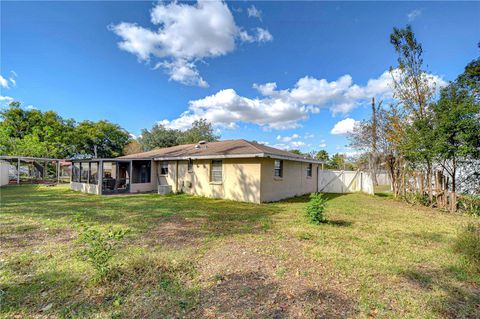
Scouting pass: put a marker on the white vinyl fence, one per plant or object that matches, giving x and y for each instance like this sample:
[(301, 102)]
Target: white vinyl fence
[(344, 182), (4, 167)]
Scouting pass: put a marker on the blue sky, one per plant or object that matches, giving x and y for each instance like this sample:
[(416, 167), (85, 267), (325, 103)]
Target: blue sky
[(284, 73)]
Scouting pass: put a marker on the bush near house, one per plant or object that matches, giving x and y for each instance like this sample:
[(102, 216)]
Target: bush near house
[(315, 208)]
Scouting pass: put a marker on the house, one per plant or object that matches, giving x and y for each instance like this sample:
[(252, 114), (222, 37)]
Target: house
[(232, 169)]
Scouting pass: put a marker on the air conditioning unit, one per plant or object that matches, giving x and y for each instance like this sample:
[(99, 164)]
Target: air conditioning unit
[(164, 189)]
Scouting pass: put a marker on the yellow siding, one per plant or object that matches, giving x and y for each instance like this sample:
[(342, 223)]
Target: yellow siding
[(241, 179), (293, 183)]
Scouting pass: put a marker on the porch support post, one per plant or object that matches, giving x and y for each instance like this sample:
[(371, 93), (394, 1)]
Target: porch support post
[(100, 178), (18, 170), (130, 176), (58, 171)]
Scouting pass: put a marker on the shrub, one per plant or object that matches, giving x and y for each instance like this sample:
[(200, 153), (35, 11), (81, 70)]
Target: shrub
[(99, 246), (468, 244), (469, 204), (315, 208)]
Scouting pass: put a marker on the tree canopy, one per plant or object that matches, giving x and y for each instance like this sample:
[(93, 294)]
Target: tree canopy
[(46, 134), (159, 136)]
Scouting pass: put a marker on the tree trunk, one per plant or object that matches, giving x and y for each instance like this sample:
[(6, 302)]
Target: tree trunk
[(454, 191), (373, 157)]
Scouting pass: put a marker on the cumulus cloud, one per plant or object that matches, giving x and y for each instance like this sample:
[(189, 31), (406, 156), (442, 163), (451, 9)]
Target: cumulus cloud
[(6, 99), (344, 126), (287, 138), (257, 35), (412, 15), (184, 35), (3, 82), (286, 145), (285, 108), (253, 12)]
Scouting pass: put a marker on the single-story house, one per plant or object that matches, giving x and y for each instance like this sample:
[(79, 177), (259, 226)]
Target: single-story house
[(232, 169)]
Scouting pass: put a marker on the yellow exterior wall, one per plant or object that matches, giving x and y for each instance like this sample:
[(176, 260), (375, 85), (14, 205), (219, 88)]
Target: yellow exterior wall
[(241, 179), (293, 183)]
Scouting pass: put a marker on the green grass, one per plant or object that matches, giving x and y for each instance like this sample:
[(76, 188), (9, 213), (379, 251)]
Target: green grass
[(196, 257)]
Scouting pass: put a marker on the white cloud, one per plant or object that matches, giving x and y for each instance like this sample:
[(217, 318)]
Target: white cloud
[(412, 15), (285, 109), (322, 145), (258, 35), (344, 126), (3, 82), (185, 34), (309, 135), (286, 146), (253, 12), (6, 99), (287, 138)]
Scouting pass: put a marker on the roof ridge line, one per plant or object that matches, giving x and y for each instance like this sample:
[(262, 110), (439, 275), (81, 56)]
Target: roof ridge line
[(254, 146)]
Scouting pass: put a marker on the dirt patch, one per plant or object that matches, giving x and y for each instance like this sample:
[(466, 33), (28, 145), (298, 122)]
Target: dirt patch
[(176, 232), (256, 278), (34, 238)]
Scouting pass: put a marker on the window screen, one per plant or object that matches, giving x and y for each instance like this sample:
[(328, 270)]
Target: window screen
[(309, 170), (278, 168), (216, 171), (164, 168)]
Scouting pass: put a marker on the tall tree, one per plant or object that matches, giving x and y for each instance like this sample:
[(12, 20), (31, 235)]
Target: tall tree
[(457, 118), (159, 136), (322, 155), (46, 134), (201, 130)]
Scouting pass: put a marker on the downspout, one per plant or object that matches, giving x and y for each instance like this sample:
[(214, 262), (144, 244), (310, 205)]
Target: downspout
[(176, 176), (318, 167)]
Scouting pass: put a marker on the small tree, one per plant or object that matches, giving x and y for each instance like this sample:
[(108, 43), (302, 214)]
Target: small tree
[(99, 246), (315, 208)]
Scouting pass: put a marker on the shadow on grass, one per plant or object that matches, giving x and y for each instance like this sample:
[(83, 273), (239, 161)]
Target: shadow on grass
[(339, 223), (457, 300), (137, 212), (306, 198)]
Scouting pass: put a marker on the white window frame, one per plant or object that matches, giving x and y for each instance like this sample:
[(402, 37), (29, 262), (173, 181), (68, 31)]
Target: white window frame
[(309, 170), (280, 169), (213, 168), (163, 165)]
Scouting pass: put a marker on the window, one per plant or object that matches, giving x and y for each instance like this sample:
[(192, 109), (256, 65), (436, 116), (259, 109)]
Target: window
[(278, 168), (190, 166), (216, 171), (94, 173), (141, 171), (164, 168), (76, 172), (309, 170)]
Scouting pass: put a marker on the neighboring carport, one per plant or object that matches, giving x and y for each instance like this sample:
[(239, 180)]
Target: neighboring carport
[(26, 169)]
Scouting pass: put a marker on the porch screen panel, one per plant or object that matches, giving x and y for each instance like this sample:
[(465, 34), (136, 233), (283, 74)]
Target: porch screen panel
[(76, 172), (94, 173), (141, 171), (84, 169)]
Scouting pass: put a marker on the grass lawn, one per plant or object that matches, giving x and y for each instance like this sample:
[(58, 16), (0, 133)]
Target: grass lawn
[(204, 258)]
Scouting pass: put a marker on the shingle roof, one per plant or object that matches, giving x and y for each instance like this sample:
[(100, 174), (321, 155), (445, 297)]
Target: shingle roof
[(220, 149)]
